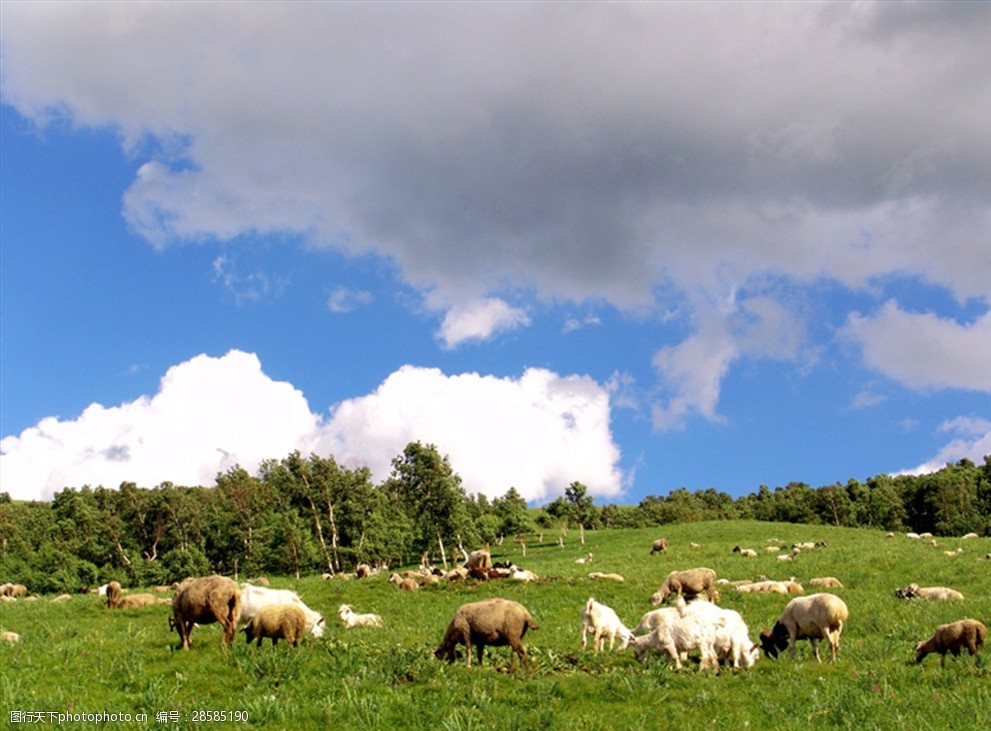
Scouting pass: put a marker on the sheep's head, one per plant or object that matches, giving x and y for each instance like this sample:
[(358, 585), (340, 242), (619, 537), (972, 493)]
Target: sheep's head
[(775, 640), (447, 651)]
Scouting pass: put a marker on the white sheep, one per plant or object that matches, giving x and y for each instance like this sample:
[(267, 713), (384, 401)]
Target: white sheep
[(745, 552), (602, 621), (679, 635), (585, 559), (772, 587), (732, 641), (255, 598), (618, 578), (277, 622), (931, 593), (814, 617), (352, 619), (8, 636), (523, 575), (826, 582)]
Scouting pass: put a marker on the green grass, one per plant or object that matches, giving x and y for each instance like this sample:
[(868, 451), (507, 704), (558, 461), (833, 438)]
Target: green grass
[(79, 657)]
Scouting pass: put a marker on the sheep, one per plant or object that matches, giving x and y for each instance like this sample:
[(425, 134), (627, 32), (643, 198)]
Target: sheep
[(764, 587), (953, 637), (745, 552), (523, 575), (815, 617), (676, 636), (254, 598), (732, 641), (585, 559), (363, 571), (61, 599), (277, 622), (602, 621), (827, 582), (691, 583), (404, 584), (953, 554), (912, 535), (655, 618), (970, 535), (351, 619), (618, 578), (203, 601), (116, 599), (13, 590), (480, 559), (493, 622), (931, 593), (659, 546), (8, 636)]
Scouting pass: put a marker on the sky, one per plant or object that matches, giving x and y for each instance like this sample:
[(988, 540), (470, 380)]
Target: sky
[(641, 246)]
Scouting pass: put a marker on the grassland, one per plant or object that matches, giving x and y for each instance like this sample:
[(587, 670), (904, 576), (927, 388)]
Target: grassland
[(78, 657)]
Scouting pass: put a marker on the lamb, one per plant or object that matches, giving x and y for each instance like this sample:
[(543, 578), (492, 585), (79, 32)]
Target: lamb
[(690, 583), (815, 617), (116, 600), (203, 601), (931, 593), (745, 552), (953, 637), (659, 546), (602, 621), (618, 578), (404, 584), (352, 619), (278, 622), (827, 582), (254, 598), (493, 622)]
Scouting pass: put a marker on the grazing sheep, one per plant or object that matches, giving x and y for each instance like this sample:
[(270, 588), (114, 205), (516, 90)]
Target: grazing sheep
[(204, 601), (618, 578), (7, 636), (277, 622), (351, 619), (654, 619), (659, 546), (691, 583), (254, 598), (493, 622), (827, 582), (952, 638), (404, 584), (602, 621), (732, 641), (815, 617), (931, 593), (745, 552), (678, 635)]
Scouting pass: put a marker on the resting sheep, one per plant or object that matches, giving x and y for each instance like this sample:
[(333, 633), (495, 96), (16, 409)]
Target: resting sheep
[(255, 598), (352, 619), (404, 584), (601, 621), (494, 622), (618, 578), (8, 636), (690, 583), (659, 546), (203, 601), (815, 617), (277, 622), (117, 600), (931, 593), (745, 552), (826, 582), (952, 638)]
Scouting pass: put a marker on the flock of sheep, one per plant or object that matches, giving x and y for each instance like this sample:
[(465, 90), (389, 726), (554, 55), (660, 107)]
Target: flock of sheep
[(695, 622)]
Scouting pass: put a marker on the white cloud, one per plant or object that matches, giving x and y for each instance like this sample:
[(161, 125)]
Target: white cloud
[(479, 320), (973, 442), (208, 414), (921, 350), (538, 433), (344, 299), (619, 152)]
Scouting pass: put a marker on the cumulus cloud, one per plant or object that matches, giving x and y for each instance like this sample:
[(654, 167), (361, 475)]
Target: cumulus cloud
[(538, 433), (479, 320), (921, 350), (621, 152), (973, 442)]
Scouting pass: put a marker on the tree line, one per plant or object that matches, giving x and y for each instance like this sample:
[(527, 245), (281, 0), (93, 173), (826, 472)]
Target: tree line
[(303, 515)]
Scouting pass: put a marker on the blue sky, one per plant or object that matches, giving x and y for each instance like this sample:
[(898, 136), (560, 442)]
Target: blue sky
[(642, 246)]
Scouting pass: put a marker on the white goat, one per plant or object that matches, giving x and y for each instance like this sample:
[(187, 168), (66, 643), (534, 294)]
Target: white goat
[(254, 598), (352, 619), (676, 636), (602, 621)]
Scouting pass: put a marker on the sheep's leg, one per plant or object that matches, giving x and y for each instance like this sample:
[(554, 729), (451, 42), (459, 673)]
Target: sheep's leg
[(584, 637), (481, 652), (520, 651), (815, 648), (467, 643)]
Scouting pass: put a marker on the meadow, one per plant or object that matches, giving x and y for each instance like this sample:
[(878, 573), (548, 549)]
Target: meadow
[(80, 658)]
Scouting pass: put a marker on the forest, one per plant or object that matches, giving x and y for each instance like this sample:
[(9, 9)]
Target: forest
[(310, 515)]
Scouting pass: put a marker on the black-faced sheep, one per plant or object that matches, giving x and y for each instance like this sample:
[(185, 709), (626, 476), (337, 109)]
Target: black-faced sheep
[(689, 583), (931, 593), (277, 622), (816, 617), (659, 546), (953, 637), (204, 601), (745, 552), (494, 622)]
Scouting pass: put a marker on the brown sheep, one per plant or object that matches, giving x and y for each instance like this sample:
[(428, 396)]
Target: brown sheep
[(690, 583), (660, 546), (204, 601), (952, 638), (277, 622), (493, 622)]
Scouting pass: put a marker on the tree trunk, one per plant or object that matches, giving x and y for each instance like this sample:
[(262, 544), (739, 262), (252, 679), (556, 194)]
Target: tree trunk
[(443, 554)]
